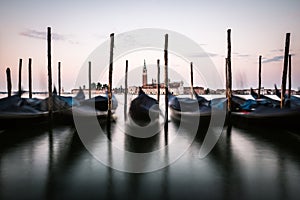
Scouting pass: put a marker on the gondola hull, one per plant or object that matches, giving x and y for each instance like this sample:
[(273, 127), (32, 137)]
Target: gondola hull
[(271, 118), (189, 111), (17, 119), (144, 109), (190, 120)]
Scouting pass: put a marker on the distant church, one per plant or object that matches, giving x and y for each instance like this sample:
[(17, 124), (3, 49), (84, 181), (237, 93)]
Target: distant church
[(145, 74), (145, 84), (175, 87)]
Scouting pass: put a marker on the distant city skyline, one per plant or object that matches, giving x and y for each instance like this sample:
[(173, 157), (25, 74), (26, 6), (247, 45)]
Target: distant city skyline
[(258, 28)]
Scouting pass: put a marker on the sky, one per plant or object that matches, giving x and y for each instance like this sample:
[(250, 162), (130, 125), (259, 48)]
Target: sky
[(78, 27)]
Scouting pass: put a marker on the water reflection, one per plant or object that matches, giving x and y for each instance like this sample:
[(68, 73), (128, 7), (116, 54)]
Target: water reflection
[(49, 189), (252, 156), (110, 184), (40, 164), (228, 165)]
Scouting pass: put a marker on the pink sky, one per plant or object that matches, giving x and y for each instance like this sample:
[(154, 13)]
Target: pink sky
[(258, 28)]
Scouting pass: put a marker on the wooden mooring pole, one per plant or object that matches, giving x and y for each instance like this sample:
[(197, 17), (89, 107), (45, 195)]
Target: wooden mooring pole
[(126, 91), (226, 78), (110, 77), (59, 78), (229, 69), (8, 77), (166, 86), (50, 100), (158, 81), (20, 78), (90, 79), (259, 76), (290, 76), (30, 78), (192, 81), (285, 67)]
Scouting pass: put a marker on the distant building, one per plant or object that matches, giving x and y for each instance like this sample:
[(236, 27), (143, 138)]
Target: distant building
[(86, 91), (175, 88), (197, 89), (242, 91), (220, 91), (133, 90)]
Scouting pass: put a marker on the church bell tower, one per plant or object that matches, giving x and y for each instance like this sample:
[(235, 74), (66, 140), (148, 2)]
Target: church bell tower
[(144, 74)]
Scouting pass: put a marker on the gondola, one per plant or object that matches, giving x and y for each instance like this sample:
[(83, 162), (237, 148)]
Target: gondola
[(101, 102), (16, 111), (264, 100), (189, 110), (96, 106), (263, 116), (198, 111), (144, 110), (292, 102), (264, 113), (61, 107)]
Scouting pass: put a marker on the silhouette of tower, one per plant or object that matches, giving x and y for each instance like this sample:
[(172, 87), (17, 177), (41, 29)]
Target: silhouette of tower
[(144, 74)]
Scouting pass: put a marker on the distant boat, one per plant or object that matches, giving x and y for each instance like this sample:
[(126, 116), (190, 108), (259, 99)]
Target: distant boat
[(144, 109)]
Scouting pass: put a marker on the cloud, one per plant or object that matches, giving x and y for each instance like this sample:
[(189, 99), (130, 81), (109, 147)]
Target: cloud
[(277, 50), (34, 34), (204, 54), (274, 59), (42, 35), (241, 55)]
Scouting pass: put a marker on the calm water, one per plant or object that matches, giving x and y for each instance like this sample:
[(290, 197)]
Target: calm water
[(36, 163)]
